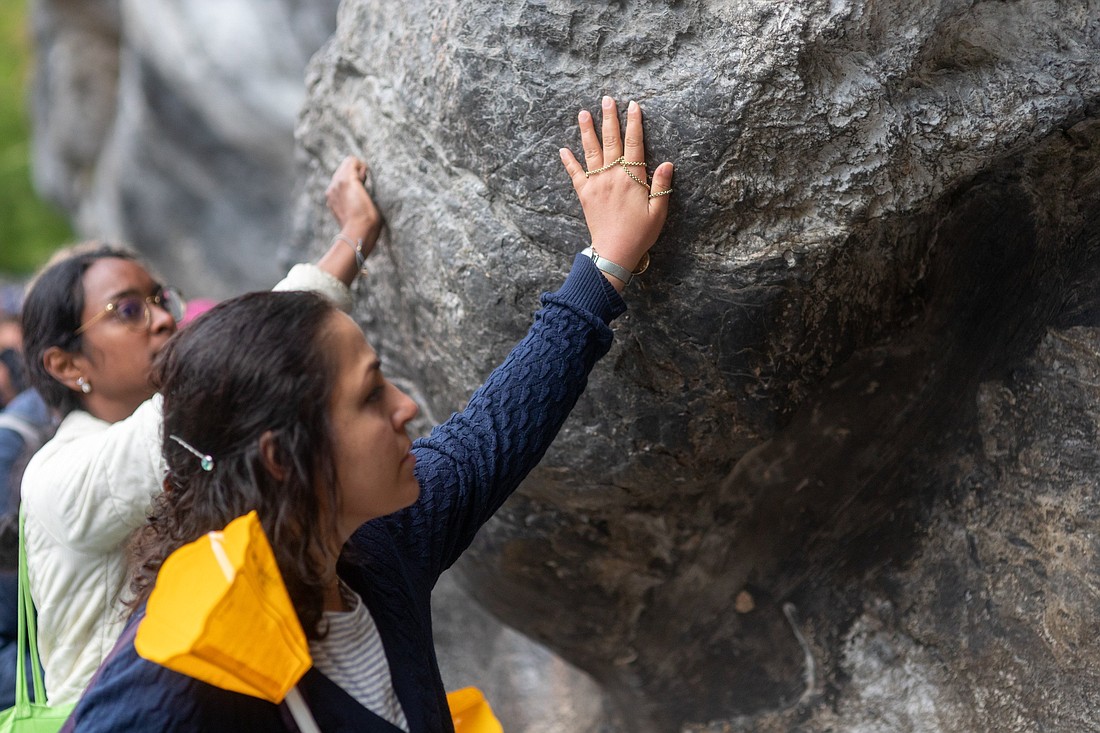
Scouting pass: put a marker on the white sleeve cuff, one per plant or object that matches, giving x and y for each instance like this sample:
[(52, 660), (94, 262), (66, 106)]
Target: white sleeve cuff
[(311, 277)]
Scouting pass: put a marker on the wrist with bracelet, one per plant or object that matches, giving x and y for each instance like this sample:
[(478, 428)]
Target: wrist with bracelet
[(357, 247), (613, 269)]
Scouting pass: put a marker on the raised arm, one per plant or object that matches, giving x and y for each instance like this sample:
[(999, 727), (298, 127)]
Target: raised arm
[(360, 222), (470, 464)]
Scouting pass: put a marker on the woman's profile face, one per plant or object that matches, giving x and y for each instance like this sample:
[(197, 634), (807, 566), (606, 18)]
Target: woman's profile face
[(116, 357), (369, 418)]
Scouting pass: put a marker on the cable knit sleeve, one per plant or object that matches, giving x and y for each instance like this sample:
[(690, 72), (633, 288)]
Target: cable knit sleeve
[(471, 463)]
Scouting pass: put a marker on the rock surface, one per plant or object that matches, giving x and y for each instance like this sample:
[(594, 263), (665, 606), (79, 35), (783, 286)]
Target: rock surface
[(169, 126), (777, 506)]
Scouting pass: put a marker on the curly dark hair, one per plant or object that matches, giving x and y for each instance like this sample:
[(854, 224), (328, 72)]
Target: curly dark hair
[(252, 366), (51, 315)]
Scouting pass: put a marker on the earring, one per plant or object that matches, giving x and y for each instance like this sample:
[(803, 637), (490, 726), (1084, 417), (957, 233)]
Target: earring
[(85, 386)]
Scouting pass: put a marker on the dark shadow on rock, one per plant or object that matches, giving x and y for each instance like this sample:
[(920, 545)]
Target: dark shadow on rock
[(819, 508), (812, 513)]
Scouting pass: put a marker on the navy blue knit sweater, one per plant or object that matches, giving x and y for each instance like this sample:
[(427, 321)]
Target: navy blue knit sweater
[(466, 467)]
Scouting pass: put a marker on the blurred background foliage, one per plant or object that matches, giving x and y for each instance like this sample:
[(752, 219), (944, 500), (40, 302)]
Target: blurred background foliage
[(30, 229)]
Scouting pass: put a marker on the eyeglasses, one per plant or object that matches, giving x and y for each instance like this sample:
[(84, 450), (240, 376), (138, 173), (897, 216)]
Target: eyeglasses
[(133, 311)]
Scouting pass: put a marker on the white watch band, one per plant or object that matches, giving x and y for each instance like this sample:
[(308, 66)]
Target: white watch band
[(606, 265)]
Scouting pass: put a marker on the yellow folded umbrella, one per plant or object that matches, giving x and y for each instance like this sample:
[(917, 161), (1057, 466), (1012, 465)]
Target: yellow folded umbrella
[(220, 613)]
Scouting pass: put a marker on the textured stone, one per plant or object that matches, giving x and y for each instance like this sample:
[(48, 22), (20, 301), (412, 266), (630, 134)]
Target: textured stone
[(169, 126), (75, 94), (880, 207)]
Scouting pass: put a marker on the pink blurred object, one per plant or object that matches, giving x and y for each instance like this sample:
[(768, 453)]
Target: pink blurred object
[(196, 308)]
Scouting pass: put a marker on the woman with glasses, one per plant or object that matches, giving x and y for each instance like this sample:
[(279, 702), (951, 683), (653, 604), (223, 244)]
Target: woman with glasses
[(93, 322)]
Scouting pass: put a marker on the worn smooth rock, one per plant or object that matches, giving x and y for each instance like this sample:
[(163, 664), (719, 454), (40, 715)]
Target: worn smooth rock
[(169, 127), (758, 518)]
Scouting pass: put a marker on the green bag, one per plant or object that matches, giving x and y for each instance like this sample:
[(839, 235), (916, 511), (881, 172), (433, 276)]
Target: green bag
[(27, 716)]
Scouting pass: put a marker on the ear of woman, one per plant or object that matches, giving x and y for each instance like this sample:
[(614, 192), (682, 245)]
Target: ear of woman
[(270, 454), (62, 366)]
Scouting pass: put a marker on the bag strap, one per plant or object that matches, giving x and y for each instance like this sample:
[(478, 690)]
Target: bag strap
[(300, 711), (27, 633), (31, 435), (22, 704)]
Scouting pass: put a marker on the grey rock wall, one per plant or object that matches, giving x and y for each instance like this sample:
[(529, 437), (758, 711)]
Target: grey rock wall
[(820, 482), (169, 127)]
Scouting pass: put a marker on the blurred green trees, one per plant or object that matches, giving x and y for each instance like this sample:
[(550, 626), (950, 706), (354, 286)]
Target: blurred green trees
[(30, 229)]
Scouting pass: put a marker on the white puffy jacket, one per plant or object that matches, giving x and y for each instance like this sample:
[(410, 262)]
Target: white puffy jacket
[(85, 492)]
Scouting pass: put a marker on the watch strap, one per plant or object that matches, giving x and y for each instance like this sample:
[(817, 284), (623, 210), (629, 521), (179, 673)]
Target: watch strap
[(606, 265)]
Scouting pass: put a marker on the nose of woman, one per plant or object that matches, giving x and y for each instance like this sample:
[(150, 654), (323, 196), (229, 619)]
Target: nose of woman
[(405, 410), (160, 318)]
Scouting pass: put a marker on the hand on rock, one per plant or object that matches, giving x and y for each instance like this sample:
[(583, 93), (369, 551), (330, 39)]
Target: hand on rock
[(624, 212), (360, 222), (351, 204)]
